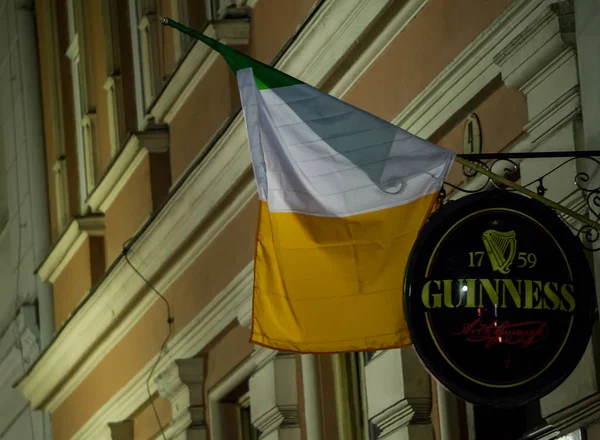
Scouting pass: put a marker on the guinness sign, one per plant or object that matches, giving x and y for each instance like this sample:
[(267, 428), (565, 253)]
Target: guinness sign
[(499, 299)]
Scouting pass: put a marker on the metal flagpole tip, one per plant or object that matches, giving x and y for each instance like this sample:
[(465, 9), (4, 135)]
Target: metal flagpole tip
[(164, 20)]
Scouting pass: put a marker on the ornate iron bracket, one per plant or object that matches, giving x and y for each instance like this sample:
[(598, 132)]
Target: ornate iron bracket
[(584, 184)]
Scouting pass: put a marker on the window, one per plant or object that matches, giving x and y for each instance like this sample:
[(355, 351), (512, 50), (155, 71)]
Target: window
[(113, 83), (351, 396), (217, 9), (193, 14), (147, 50), (246, 430), (83, 101), (236, 422), (62, 197)]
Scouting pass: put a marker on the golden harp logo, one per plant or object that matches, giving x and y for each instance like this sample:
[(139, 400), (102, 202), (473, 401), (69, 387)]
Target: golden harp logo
[(501, 248)]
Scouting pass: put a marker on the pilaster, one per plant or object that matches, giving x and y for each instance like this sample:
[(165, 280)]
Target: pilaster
[(399, 396), (274, 399), (541, 62), (182, 383)]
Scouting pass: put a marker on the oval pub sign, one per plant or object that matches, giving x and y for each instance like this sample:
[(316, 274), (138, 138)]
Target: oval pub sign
[(499, 299)]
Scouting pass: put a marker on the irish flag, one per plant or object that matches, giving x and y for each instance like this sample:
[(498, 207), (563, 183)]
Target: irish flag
[(343, 195)]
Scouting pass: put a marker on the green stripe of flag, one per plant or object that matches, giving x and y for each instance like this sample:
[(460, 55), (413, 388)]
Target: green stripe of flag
[(266, 76)]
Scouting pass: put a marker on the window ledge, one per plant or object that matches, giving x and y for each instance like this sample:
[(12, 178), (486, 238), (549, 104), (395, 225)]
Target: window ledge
[(68, 244), (137, 147)]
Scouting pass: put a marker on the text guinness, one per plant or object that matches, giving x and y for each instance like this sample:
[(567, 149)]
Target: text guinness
[(504, 293)]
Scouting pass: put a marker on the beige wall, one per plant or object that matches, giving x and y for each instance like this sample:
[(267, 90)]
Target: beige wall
[(207, 108), (227, 351), (273, 24), (208, 275), (72, 284), (428, 44), (128, 211), (145, 425)]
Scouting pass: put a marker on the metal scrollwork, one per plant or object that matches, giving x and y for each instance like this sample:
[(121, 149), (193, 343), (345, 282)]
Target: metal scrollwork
[(586, 183)]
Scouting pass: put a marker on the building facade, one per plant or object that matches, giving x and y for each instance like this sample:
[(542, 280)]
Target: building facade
[(26, 316), (153, 204)]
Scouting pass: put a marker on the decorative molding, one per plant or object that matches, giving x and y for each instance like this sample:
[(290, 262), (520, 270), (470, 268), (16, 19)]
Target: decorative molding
[(61, 190), (244, 314), (82, 341), (328, 37), (116, 112), (233, 31), (148, 37), (468, 73), (577, 415), (68, 244), (262, 356), (402, 16), (247, 3), (134, 35), (398, 391), (566, 17), (124, 165), (183, 384), (185, 79), (274, 395), (531, 50), (88, 124), (192, 339), (399, 415)]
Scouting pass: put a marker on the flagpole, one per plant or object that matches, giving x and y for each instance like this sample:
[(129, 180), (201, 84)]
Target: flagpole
[(527, 192)]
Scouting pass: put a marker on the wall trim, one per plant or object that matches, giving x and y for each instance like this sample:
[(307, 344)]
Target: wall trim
[(49, 381), (185, 79), (138, 146), (469, 72), (377, 46), (68, 244)]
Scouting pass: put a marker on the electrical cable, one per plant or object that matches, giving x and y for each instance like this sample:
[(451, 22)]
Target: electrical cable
[(170, 320)]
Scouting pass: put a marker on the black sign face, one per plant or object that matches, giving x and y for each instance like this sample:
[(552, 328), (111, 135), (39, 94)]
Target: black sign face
[(500, 299)]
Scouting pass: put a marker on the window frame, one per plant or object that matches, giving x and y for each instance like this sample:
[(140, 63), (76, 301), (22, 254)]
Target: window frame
[(351, 396), (84, 106)]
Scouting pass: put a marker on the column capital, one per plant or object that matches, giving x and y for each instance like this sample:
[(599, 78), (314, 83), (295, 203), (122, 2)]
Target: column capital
[(182, 383), (274, 396), (398, 392)]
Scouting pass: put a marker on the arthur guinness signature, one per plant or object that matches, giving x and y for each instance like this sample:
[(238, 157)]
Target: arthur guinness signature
[(524, 333)]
